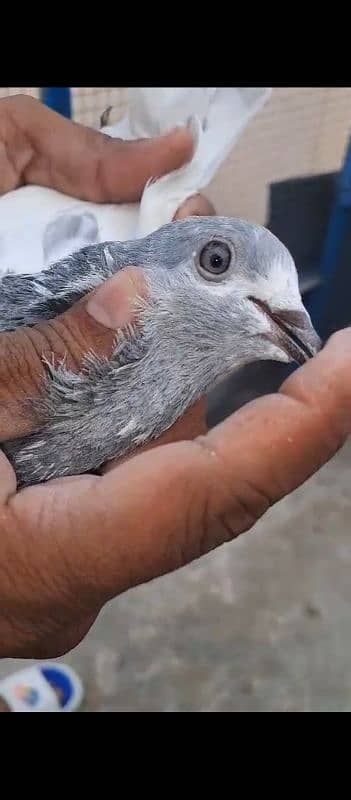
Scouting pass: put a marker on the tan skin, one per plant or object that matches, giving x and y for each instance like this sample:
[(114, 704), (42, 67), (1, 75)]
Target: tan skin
[(70, 545)]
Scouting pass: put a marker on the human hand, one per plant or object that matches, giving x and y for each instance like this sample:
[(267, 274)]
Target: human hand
[(70, 545), (39, 146)]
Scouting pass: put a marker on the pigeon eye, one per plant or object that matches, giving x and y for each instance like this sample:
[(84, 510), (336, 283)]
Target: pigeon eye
[(214, 259)]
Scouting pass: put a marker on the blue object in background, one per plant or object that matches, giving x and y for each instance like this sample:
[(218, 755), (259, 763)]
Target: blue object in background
[(337, 234), (59, 99)]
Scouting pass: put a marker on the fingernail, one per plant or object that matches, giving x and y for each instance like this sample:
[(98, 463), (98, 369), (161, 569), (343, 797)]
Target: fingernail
[(114, 303)]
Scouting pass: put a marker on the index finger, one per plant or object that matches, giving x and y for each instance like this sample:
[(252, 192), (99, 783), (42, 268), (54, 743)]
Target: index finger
[(164, 508)]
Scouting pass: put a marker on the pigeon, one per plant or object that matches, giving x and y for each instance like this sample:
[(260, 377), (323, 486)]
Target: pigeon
[(221, 293)]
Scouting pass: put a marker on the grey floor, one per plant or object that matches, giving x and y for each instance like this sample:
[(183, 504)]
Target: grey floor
[(263, 624)]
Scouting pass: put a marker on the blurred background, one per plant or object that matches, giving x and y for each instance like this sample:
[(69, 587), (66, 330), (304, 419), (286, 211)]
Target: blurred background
[(264, 623)]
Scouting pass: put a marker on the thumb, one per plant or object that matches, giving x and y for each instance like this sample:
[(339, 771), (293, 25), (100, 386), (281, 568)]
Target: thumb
[(126, 166), (90, 325)]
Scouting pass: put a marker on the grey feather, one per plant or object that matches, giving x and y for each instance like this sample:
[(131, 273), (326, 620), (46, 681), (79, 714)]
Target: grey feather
[(192, 332)]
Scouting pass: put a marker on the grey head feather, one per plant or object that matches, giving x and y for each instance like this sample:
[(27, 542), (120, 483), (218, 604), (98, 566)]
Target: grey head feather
[(194, 328)]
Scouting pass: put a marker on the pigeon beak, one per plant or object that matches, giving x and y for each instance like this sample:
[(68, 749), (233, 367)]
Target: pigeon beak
[(292, 331)]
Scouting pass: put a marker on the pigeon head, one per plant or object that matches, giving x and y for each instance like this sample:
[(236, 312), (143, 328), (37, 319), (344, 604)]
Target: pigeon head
[(223, 293)]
